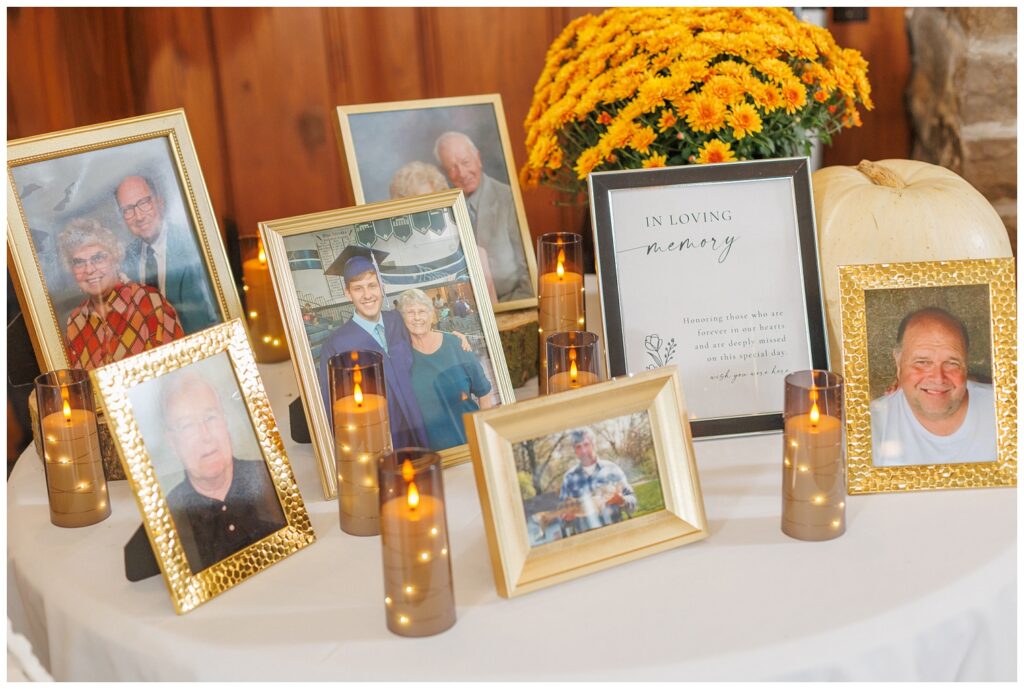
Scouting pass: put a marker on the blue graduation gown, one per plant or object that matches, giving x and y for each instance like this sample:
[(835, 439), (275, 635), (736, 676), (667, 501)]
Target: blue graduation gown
[(407, 427)]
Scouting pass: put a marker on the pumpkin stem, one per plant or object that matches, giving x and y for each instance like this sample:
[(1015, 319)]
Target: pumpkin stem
[(880, 175)]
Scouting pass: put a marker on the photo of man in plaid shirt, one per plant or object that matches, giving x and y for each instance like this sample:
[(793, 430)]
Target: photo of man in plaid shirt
[(597, 487)]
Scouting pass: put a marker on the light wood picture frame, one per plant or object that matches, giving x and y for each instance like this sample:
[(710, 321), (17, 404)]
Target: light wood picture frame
[(715, 268), (392, 150), (930, 362), (579, 525), (423, 242), (191, 420), (110, 190)]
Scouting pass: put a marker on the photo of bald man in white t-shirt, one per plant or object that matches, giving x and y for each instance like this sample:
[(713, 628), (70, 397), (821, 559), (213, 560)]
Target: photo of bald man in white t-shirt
[(935, 415)]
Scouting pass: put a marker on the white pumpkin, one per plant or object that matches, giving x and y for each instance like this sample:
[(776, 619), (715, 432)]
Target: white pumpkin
[(897, 211)]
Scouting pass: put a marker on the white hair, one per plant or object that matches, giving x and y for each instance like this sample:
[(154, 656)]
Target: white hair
[(414, 296), (448, 136)]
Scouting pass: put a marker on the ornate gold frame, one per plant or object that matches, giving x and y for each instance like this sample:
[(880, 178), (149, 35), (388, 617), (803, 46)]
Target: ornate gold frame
[(493, 99), (112, 384), (517, 567), (46, 332), (998, 274), (273, 233)]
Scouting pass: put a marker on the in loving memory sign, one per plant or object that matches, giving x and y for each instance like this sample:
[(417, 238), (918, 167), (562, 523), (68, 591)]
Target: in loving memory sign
[(712, 268)]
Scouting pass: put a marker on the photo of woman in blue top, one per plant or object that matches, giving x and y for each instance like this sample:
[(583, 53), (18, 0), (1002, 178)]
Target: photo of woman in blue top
[(445, 377)]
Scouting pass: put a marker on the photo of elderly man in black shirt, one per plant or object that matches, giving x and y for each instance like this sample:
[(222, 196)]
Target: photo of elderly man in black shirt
[(224, 503)]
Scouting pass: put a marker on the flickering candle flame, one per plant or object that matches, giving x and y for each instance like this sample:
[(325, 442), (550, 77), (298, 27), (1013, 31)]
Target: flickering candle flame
[(358, 394), (262, 255), (413, 496), (560, 269), (408, 472), (67, 411), (815, 414), (573, 372)]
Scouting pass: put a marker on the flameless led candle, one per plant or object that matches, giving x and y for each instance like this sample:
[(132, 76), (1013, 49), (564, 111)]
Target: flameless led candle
[(560, 286), (813, 464), (265, 327), (418, 595), (362, 435), (76, 487), (572, 360)]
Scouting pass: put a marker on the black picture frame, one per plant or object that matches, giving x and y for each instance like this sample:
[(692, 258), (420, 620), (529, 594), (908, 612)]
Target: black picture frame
[(797, 171)]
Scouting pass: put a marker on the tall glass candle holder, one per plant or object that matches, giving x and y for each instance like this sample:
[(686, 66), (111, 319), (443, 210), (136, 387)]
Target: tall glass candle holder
[(572, 360), (813, 464), (266, 330), (418, 595), (72, 461), (362, 436), (560, 288)]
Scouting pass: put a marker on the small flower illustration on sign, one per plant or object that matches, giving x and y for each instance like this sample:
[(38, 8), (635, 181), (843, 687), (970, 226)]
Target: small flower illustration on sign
[(653, 343)]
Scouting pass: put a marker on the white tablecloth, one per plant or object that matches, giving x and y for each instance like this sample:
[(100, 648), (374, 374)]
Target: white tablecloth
[(921, 587)]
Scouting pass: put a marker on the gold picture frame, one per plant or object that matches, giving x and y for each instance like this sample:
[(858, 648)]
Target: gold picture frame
[(412, 128), (442, 258), (58, 179), (272, 521), (978, 298), (545, 543)]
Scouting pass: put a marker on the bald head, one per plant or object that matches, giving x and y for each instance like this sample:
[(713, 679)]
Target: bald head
[(936, 316)]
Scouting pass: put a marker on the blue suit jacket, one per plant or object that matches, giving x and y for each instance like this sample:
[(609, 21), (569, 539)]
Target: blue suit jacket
[(188, 286), (407, 427)]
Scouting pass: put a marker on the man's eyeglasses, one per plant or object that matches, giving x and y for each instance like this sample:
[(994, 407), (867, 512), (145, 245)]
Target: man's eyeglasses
[(97, 260), (143, 205)]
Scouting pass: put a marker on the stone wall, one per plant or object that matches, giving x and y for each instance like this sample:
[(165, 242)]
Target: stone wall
[(963, 98)]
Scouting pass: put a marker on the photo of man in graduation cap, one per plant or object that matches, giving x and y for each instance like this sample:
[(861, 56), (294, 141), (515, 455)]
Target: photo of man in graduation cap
[(372, 328)]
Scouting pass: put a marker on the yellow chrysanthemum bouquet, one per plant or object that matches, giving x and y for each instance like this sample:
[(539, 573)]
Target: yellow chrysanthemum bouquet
[(650, 87)]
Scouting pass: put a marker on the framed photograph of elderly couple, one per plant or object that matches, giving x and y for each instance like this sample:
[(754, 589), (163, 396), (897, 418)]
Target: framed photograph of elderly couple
[(401, 278), (113, 240), (587, 479), (930, 361), (408, 148), (205, 461)]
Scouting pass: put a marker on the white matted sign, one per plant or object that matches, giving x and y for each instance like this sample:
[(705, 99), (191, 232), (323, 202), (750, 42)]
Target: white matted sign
[(713, 268)]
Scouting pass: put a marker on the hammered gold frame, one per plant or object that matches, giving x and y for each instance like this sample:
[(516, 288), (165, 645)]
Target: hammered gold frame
[(517, 567), (273, 233), (112, 383), (44, 329), (998, 274), (492, 99)]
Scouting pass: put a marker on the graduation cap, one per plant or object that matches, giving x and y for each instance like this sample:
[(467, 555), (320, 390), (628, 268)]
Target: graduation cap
[(356, 260)]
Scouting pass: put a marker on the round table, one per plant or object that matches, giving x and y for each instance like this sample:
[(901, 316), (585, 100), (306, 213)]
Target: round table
[(921, 587)]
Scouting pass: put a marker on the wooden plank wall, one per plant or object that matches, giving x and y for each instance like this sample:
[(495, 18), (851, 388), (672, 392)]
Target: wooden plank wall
[(260, 85)]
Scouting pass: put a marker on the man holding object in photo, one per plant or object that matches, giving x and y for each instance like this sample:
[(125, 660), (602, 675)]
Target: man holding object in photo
[(597, 488), (936, 415), (224, 504)]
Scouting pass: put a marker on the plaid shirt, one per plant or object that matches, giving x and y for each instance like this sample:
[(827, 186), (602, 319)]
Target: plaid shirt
[(576, 483), (138, 318)]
